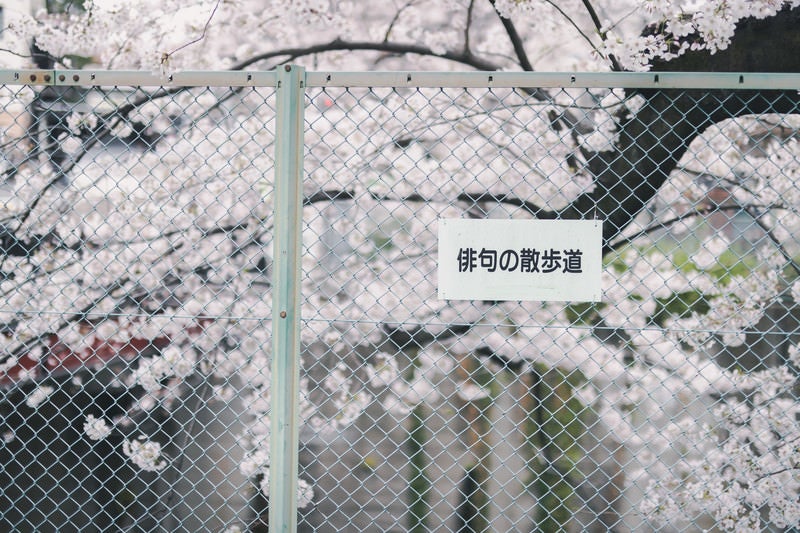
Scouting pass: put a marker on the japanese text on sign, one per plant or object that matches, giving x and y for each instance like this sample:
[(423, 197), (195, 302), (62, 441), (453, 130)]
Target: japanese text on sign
[(526, 260), (545, 260)]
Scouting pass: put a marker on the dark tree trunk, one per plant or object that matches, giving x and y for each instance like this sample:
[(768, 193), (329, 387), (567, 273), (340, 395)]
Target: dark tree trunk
[(651, 144)]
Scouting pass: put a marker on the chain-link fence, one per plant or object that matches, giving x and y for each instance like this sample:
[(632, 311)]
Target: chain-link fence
[(219, 302)]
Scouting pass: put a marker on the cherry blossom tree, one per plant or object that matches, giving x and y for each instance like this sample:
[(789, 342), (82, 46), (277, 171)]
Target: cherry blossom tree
[(149, 247)]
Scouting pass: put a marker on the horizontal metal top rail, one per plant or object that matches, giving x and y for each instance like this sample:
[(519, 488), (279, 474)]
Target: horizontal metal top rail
[(662, 80), (655, 80), (135, 78)]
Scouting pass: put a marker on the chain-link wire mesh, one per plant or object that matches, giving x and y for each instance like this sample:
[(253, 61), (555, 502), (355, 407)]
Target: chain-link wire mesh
[(137, 232)]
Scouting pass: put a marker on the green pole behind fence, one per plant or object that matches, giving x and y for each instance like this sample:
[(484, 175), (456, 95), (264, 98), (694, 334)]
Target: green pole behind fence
[(286, 300)]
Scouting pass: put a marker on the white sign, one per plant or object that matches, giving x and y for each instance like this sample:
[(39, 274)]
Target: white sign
[(541, 260)]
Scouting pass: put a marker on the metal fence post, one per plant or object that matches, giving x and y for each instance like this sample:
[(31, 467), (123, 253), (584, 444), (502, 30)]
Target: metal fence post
[(286, 300)]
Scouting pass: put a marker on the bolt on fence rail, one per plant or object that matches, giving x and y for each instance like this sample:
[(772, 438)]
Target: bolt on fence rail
[(220, 306)]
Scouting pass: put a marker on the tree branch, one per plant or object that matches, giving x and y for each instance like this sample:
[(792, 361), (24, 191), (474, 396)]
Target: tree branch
[(464, 58), (330, 195), (202, 36), (615, 66), (574, 25), (394, 20), (613, 246), (516, 40), (468, 26)]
